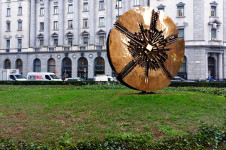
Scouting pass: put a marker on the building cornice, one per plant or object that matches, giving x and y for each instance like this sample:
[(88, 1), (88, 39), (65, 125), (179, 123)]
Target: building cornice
[(57, 52)]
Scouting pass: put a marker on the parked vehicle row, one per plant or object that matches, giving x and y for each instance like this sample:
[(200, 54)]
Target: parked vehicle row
[(14, 75)]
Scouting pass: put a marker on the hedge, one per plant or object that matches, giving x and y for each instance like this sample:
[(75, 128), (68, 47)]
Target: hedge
[(207, 137), (79, 83)]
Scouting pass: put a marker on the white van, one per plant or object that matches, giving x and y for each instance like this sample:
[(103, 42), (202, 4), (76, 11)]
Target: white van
[(11, 75), (104, 78), (42, 76)]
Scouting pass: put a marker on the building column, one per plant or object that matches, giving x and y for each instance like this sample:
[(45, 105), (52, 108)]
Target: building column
[(92, 22), (46, 23), (207, 65), (0, 23), (32, 23), (109, 16), (145, 3), (220, 66), (61, 23), (224, 20), (126, 5), (76, 24)]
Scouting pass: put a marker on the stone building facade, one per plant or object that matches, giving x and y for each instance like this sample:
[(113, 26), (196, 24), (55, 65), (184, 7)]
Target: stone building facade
[(202, 23), (62, 36), (69, 36)]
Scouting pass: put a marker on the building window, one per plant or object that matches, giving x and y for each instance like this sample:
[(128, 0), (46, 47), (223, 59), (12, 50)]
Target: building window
[(85, 7), (85, 40), (51, 65), (37, 65), (136, 2), (213, 11), (101, 5), (41, 42), (160, 9), (55, 25), (180, 11), (41, 26), (7, 64), (85, 23), (8, 44), (101, 21), (70, 41), (118, 3), (70, 24), (8, 26), (213, 34), (181, 33), (19, 25), (20, 10), (56, 10), (42, 11), (8, 12), (99, 66), (55, 42), (19, 42), (101, 40), (70, 8)]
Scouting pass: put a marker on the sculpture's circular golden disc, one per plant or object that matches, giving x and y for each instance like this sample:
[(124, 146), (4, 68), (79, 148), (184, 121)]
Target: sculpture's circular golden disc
[(144, 49)]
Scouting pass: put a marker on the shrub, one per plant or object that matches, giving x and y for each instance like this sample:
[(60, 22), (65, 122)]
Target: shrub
[(79, 83), (207, 137)]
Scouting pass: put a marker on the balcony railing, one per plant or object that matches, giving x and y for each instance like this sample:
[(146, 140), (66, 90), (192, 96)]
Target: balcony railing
[(51, 49), (37, 49), (67, 48), (83, 47), (99, 47)]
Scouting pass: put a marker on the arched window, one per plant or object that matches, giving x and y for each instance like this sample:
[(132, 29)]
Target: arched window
[(66, 67), (82, 68), (99, 66), (183, 69), (19, 65), (37, 65), (7, 64), (211, 67), (51, 65)]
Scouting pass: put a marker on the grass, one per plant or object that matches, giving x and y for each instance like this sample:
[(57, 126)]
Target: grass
[(44, 113)]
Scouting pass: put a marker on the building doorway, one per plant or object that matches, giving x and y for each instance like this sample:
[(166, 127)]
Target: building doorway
[(19, 65), (99, 66), (83, 68), (212, 67), (66, 67)]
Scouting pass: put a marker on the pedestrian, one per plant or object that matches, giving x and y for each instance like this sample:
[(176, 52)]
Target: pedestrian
[(63, 77), (210, 79)]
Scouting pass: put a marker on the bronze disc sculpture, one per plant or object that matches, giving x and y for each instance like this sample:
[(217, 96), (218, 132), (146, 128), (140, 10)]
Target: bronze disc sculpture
[(144, 50)]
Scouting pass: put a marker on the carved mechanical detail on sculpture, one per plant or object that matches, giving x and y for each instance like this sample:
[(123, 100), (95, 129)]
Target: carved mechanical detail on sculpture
[(148, 46)]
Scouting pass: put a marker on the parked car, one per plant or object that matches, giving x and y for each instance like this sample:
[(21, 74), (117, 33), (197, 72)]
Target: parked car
[(104, 78), (179, 79), (74, 79)]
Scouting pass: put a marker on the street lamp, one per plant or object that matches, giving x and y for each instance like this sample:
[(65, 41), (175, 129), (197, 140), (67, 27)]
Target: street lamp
[(117, 6)]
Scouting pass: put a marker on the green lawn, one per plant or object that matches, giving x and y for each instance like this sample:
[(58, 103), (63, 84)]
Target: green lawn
[(44, 113)]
